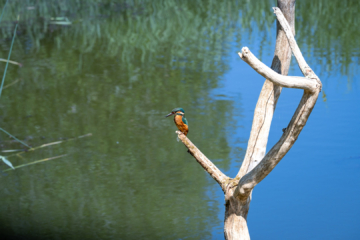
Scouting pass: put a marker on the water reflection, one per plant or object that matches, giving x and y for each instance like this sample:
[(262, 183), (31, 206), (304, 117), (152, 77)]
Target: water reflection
[(115, 72), (116, 77)]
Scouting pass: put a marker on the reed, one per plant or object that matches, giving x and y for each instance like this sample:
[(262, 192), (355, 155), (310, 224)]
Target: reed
[(31, 163), (7, 162)]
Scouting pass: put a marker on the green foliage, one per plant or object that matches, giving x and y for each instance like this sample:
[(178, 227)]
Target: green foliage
[(331, 26), (135, 30)]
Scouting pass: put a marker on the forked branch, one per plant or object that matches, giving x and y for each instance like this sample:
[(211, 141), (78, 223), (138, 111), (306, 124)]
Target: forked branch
[(208, 166), (273, 157), (269, 95), (305, 69), (312, 86)]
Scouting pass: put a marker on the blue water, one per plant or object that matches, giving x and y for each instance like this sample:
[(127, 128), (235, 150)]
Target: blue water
[(314, 191), (112, 75)]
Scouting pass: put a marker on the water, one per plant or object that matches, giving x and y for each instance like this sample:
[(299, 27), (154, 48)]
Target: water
[(118, 69)]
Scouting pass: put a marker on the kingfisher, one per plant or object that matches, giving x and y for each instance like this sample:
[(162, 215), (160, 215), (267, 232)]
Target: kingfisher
[(180, 120)]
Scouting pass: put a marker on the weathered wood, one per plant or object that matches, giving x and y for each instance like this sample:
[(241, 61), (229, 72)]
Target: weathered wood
[(208, 166), (305, 69), (269, 94), (260, 129), (256, 165), (298, 121), (281, 80), (235, 225), (273, 157)]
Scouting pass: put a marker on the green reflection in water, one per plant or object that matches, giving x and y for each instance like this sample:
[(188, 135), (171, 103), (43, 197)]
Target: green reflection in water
[(327, 31), (115, 72), (116, 77)]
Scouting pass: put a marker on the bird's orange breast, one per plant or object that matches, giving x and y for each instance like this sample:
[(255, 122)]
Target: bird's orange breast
[(181, 125)]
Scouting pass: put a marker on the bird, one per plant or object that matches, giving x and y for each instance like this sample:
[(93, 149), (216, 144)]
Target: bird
[(180, 120)]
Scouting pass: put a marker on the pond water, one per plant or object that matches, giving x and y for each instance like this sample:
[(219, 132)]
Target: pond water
[(116, 69)]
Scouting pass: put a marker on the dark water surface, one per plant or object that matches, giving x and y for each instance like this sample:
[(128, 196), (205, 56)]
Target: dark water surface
[(119, 68)]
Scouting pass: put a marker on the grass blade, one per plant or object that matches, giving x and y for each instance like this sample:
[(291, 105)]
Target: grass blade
[(12, 150), (15, 138), (12, 83), (35, 162), (7, 63), (49, 144), (7, 162), (12, 62), (3, 10)]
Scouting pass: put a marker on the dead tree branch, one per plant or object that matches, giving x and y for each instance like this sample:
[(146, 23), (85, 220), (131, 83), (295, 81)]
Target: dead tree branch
[(274, 77), (273, 157), (311, 86), (305, 69), (208, 166), (269, 94), (256, 165)]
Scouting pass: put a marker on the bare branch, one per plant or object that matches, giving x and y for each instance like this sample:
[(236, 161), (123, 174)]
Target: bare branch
[(268, 73), (208, 166), (305, 69), (269, 94), (298, 121), (273, 157)]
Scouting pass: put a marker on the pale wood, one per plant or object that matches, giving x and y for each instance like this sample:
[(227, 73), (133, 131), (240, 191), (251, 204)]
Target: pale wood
[(235, 225), (256, 165), (260, 129), (281, 80), (273, 157), (291, 133), (305, 69), (208, 166), (269, 94)]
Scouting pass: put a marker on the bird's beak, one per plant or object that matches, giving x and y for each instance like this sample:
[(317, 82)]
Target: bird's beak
[(172, 113)]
